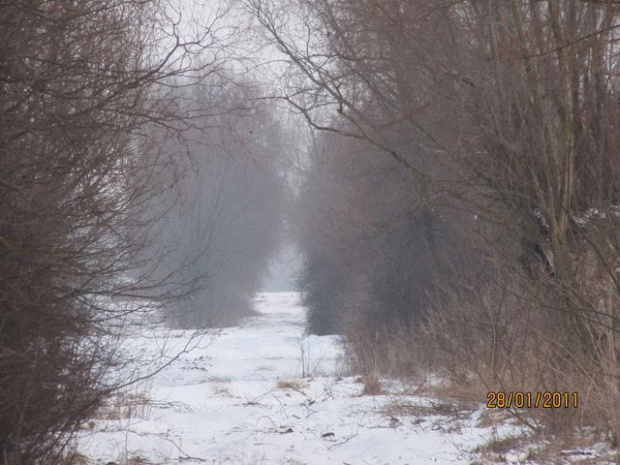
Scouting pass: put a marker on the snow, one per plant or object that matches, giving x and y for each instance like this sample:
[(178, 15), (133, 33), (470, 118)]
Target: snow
[(264, 393)]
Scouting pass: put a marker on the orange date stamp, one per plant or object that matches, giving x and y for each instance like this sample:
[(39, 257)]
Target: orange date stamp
[(528, 399)]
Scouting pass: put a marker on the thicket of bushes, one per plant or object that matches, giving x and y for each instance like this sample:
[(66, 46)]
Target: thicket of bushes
[(465, 195), (74, 83), (94, 127)]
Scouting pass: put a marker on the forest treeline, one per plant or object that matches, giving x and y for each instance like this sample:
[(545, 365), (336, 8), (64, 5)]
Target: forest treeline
[(461, 210), (216, 227), (138, 177)]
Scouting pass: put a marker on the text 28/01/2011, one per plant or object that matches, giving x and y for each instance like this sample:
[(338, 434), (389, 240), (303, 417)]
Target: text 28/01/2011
[(528, 399)]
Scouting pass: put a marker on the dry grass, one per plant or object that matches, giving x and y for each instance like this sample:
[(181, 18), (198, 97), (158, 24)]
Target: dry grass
[(493, 418), (125, 406), (403, 407), (75, 458), (372, 385), (496, 449), (548, 449), (137, 460), (293, 384), (221, 386), (222, 391), (471, 391)]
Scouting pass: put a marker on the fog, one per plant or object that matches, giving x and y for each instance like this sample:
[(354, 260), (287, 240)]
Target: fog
[(282, 273), (220, 220)]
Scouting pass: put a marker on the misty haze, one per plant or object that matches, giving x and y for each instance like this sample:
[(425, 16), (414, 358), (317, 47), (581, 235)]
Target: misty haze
[(309, 232)]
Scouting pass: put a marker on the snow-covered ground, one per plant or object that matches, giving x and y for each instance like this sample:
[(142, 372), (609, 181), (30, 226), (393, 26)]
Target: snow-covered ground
[(263, 393)]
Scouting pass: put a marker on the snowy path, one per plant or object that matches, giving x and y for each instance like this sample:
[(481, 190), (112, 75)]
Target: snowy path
[(241, 398)]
